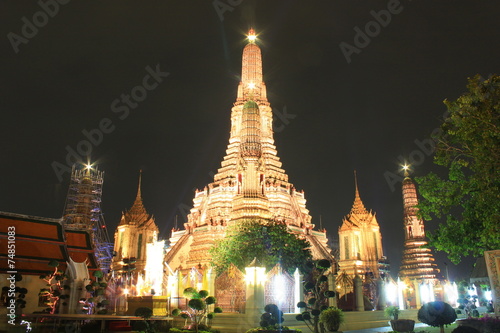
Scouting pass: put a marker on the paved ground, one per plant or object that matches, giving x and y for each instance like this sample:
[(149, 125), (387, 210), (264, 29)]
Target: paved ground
[(382, 329)]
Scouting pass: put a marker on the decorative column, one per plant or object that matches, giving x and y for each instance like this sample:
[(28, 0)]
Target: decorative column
[(358, 294), (210, 280), (381, 304), (173, 289), (255, 278), (401, 286), (418, 301), (298, 288)]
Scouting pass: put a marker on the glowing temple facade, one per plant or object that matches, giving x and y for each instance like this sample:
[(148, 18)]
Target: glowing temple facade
[(136, 230), (418, 261), (360, 241), (250, 182)]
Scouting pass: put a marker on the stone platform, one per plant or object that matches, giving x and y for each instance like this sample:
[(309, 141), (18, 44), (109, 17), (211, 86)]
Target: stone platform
[(239, 323)]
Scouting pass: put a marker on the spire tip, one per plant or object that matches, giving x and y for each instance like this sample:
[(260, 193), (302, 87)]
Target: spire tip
[(251, 35)]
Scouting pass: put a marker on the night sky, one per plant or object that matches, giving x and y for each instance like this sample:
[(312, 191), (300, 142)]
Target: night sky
[(332, 116)]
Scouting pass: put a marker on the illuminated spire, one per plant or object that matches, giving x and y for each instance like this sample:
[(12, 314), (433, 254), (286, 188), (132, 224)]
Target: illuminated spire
[(252, 84), (250, 183), (418, 260), (360, 240), (139, 195), (138, 206), (251, 201), (410, 199), (133, 237), (137, 213), (250, 130), (357, 207)]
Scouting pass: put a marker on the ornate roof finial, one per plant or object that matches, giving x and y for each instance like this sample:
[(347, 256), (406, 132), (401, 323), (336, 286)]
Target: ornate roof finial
[(251, 35), (356, 193), (255, 263), (139, 194), (137, 213), (357, 207), (406, 170)]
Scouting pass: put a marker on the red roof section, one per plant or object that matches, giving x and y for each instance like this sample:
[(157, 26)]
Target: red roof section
[(37, 241)]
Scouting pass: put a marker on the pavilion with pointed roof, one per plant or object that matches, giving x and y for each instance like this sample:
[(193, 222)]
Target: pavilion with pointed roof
[(136, 228), (360, 240)]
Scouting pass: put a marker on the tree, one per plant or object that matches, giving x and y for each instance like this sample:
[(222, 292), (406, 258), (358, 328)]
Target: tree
[(468, 146), (268, 241), (437, 314), (198, 308), (144, 326), (56, 292), (317, 294), (97, 302)]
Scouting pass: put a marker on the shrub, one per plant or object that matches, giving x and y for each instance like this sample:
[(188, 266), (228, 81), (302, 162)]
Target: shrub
[(144, 312), (197, 304), (272, 317), (332, 318), (465, 329)]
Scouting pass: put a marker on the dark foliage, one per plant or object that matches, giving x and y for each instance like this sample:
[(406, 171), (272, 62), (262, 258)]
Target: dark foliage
[(468, 199), (437, 314)]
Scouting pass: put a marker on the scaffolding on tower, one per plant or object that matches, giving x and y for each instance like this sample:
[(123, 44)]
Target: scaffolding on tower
[(83, 211)]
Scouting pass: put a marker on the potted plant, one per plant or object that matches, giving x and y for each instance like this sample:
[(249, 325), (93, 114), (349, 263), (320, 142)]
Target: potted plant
[(392, 312), (398, 325), (332, 318)]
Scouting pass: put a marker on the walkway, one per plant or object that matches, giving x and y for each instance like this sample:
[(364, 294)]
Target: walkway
[(381, 329)]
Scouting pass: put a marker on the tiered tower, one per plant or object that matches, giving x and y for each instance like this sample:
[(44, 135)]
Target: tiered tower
[(418, 261), (135, 230), (250, 182), (360, 240), (83, 211)]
